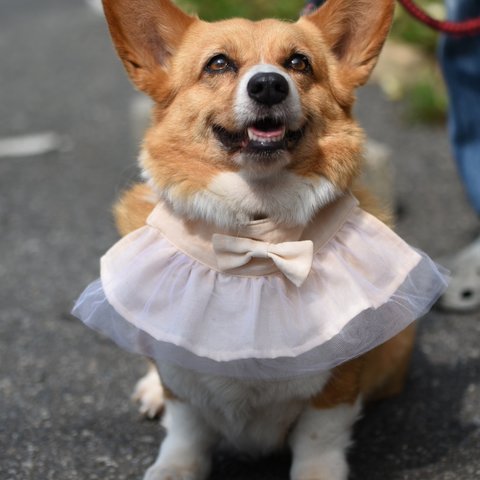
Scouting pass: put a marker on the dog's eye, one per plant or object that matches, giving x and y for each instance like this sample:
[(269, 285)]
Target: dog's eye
[(298, 63), (219, 64)]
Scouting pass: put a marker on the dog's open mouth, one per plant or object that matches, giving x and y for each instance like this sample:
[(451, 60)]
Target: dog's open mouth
[(264, 136)]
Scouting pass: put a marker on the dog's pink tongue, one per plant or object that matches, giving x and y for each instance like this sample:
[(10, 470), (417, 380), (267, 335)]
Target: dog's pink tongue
[(279, 132)]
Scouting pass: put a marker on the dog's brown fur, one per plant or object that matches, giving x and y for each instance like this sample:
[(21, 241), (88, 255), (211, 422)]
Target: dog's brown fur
[(184, 97), (165, 52)]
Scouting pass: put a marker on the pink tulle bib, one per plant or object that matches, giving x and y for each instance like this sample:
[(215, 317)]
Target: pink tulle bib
[(264, 300)]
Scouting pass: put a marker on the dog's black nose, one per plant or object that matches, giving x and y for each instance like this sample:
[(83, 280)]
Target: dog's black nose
[(268, 88)]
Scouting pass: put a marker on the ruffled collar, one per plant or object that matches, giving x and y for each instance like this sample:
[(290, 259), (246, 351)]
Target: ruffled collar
[(258, 248), (163, 293)]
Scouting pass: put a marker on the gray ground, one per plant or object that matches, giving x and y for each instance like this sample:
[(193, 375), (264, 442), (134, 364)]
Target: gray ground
[(64, 408)]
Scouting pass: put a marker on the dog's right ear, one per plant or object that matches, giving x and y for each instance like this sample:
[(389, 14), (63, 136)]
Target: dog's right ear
[(355, 31), (146, 33)]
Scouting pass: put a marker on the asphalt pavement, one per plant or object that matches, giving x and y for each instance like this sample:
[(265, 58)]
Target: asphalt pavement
[(65, 412)]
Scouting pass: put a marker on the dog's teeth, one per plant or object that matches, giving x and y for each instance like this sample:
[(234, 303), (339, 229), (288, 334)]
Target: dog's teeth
[(251, 135), (264, 138)]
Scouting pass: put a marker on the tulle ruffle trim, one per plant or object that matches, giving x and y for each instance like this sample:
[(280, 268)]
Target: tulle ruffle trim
[(365, 286), (263, 350)]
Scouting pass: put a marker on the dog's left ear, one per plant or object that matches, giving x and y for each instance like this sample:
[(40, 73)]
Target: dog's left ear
[(355, 31)]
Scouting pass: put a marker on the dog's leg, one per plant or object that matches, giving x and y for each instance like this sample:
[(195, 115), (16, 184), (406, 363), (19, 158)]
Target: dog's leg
[(322, 435), (148, 393), (320, 440), (186, 451)]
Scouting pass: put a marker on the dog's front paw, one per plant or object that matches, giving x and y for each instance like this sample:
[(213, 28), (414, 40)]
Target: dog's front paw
[(185, 454), (189, 468), (157, 472), (320, 441), (148, 393), (328, 466)]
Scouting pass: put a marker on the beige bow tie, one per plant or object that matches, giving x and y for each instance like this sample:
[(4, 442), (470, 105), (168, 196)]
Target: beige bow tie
[(293, 259)]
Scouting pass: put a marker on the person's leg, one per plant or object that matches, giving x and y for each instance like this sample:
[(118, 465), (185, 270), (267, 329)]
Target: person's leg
[(460, 60)]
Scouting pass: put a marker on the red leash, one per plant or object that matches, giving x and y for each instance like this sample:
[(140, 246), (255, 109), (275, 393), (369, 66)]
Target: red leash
[(467, 27)]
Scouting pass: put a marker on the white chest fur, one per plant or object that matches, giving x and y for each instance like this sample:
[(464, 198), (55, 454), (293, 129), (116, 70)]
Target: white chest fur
[(233, 198), (253, 416)]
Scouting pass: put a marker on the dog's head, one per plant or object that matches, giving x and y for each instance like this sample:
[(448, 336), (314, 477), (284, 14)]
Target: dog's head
[(251, 119)]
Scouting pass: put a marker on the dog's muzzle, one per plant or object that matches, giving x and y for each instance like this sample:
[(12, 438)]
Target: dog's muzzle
[(268, 115)]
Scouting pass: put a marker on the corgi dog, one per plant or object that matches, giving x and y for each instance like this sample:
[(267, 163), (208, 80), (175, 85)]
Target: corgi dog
[(253, 121)]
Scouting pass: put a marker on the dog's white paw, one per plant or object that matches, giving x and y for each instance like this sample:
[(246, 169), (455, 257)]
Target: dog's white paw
[(320, 441), (185, 454), (170, 473), (328, 466), (148, 393)]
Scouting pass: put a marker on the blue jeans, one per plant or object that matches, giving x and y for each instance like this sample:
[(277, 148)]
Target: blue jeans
[(460, 60)]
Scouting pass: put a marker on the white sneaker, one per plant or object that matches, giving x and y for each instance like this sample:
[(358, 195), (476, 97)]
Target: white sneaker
[(463, 293)]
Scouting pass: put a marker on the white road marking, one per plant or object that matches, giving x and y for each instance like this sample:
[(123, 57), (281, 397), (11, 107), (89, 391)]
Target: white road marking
[(33, 144)]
